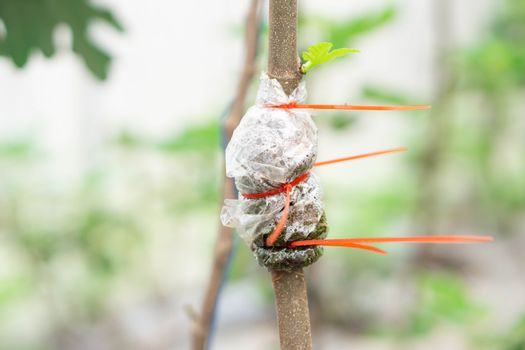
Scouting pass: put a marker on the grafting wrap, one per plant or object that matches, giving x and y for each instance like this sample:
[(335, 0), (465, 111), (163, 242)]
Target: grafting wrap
[(272, 147)]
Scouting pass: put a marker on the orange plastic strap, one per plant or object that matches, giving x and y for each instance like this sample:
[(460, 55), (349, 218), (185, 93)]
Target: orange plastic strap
[(286, 189), (360, 156), (278, 190), (270, 240), (295, 105), (351, 242)]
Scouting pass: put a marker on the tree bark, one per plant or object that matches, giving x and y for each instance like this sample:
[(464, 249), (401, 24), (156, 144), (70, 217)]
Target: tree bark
[(289, 286), (292, 309), (224, 243), (283, 61)]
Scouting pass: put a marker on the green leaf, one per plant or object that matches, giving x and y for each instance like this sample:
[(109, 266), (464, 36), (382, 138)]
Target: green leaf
[(321, 53), (29, 26)]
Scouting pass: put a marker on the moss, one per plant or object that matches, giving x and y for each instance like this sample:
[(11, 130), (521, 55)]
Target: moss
[(287, 259), (279, 257)]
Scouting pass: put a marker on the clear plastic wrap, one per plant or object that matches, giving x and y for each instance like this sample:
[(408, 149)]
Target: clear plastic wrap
[(269, 148)]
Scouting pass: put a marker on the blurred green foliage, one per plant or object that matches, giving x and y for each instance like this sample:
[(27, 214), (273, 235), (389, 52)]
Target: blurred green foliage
[(195, 146), (203, 138), (340, 121), (442, 298), (489, 76), (81, 227), (515, 339), (493, 69), (490, 71), (378, 93), (339, 34), (347, 31), (29, 26), (497, 61), (62, 249), (16, 149)]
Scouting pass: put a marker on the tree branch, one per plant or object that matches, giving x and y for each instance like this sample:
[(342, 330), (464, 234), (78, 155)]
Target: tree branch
[(292, 309), (224, 243), (289, 286), (283, 62)]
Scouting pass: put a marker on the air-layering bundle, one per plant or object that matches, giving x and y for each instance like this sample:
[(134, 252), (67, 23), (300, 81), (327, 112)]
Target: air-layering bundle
[(279, 212)]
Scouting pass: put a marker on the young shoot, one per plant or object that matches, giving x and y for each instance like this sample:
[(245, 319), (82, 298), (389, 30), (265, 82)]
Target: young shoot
[(322, 53)]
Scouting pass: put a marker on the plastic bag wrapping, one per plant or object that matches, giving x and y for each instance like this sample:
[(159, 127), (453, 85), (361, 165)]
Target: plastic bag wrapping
[(269, 148), (255, 218)]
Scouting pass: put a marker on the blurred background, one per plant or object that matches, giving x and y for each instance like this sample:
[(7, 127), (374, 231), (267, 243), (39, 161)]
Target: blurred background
[(110, 174)]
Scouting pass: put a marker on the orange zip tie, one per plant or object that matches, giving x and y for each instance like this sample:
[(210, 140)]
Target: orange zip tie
[(281, 189), (335, 243), (352, 242), (349, 242), (346, 107), (270, 240), (360, 156), (288, 187), (425, 239)]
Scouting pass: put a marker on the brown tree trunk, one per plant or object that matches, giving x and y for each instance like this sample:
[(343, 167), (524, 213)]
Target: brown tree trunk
[(289, 286), (283, 61), (292, 309)]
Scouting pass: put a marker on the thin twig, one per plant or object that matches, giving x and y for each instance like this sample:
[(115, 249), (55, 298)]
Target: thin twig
[(224, 243), (289, 286), (251, 42)]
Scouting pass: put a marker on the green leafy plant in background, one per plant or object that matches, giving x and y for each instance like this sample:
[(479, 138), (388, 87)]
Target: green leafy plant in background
[(195, 145), (200, 138), (509, 339), (442, 298), (515, 338), (193, 149), (16, 149), (493, 71), (378, 93), (342, 33), (489, 85), (484, 124), (29, 26), (41, 242), (497, 61), (322, 53), (346, 31)]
